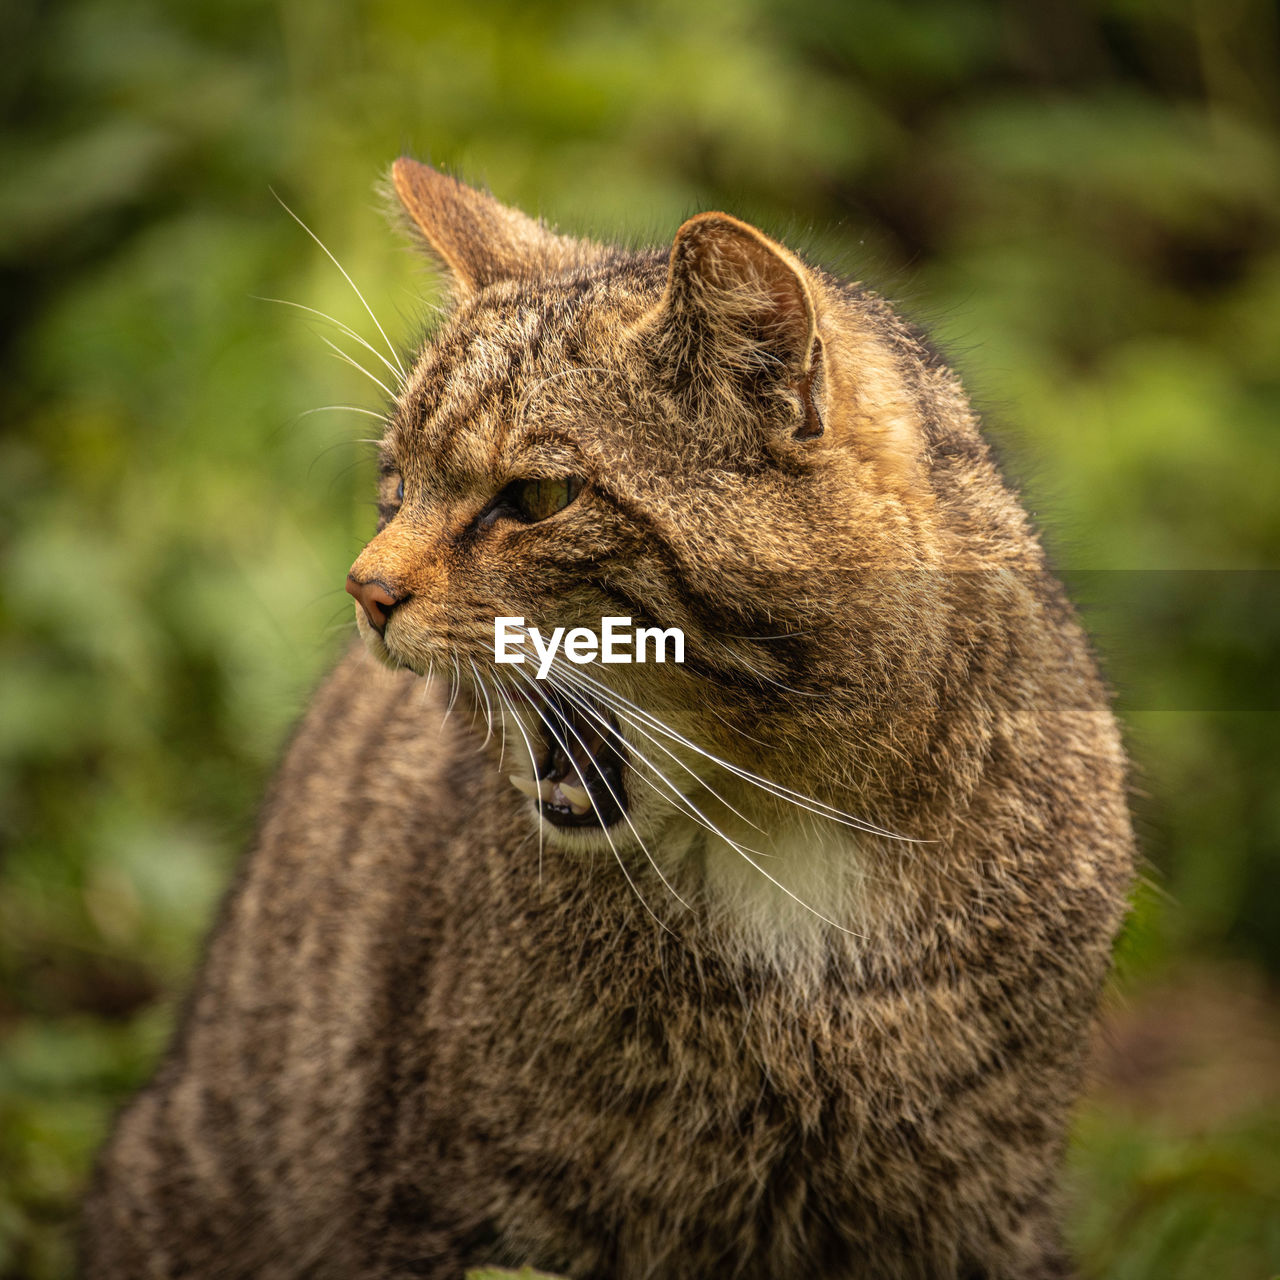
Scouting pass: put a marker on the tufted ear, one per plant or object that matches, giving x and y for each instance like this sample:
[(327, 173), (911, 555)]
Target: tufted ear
[(474, 237)]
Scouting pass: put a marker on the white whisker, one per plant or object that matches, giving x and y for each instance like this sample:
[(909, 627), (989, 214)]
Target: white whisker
[(533, 767), (355, 364), (347, 408), (760, 675), (746, 855), (702, 782), (488, 706), (348, 279), (605, 830), (453, 689), (622, 808), (396, 372), (818, 807)]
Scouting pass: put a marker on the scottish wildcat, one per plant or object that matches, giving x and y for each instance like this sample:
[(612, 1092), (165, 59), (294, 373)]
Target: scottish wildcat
[(778, 962)]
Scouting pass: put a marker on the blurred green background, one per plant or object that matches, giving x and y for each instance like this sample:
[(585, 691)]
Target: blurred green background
[(1079, 199)]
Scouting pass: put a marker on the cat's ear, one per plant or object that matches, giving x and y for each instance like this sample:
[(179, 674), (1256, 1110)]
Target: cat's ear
[(738, 304), (475, 238)]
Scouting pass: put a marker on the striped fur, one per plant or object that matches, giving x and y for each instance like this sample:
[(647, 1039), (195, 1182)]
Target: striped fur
[(428, 1035)]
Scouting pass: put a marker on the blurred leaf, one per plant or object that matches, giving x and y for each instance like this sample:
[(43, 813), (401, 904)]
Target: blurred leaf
[(1079, 201)]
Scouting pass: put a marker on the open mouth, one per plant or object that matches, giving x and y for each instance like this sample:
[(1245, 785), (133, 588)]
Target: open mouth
[(579, 766)]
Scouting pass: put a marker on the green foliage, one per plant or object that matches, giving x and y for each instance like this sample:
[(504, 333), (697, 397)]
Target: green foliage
[(1155, 1203), (1080, 201)]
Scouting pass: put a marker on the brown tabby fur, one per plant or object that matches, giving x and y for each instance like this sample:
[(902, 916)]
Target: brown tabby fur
[(426, 1037)]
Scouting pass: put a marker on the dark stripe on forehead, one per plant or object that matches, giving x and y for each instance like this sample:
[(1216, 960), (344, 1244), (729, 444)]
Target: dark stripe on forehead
[(501, 363), (517, 328), (521, 369), (467, 401)]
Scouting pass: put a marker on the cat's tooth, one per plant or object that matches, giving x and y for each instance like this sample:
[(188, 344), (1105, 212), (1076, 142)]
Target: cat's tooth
[(553, 792), (579, 800), (534, 790)]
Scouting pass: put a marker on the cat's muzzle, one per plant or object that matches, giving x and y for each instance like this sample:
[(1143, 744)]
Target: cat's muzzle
[(579, 765)]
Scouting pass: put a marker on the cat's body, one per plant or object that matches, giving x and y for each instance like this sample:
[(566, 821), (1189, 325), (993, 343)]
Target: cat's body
[(427, 1036)]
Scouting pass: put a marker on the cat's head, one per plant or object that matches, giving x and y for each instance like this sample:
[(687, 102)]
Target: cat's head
[(713, 437)]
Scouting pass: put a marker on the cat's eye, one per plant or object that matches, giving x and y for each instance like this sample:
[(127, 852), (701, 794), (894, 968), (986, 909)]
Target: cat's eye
[(532, 500), (538, 499)]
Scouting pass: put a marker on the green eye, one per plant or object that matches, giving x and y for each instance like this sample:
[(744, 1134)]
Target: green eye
[(529, 501), (539, 499)]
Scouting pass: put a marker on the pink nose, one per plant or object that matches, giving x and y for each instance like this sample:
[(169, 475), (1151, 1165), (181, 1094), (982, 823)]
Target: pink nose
[(376, 599)]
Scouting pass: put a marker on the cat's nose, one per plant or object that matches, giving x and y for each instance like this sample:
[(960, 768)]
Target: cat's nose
[(376, 599)]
